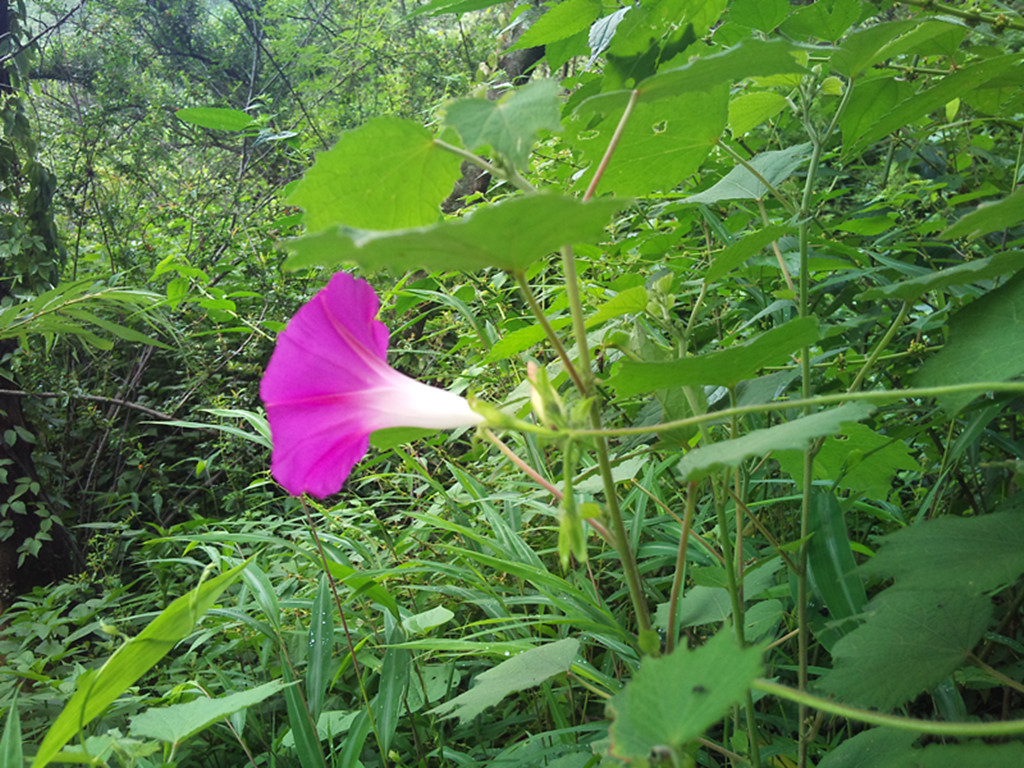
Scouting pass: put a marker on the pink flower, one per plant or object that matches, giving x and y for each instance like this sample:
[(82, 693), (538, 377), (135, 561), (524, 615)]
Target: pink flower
[(328, 386)]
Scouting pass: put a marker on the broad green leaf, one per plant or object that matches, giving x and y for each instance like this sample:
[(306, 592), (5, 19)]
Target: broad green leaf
[(663, 142), (985, 344), (419, 623), (935, 98), (967, 273), (749, 244), (673, 699), (973, 753), (869, 102), (867, 47), (824, 19), (989, 217), (830, 562), (749, 110), (792, 435), (321, 647), (10, 742), (561, 21), (520, 672), (724, 368), (179, 722), (858, 459), (509, 235), (751, 58), (216, 118), (510, 125), (764, 15), (97, 689), (387, 174), (975, 554), (911, 640), (876, 747), (774, 166)]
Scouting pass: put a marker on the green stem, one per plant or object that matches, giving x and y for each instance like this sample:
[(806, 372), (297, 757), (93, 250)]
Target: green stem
[(1000, 21), (556, 341), (876, 396), (962, 730), (900, 317), (629, 566)]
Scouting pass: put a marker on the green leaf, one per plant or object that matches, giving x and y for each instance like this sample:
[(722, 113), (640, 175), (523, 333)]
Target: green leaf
[(858, 459), (876, 747), (962, 274), (509, 235), (510, 125), (631, 300), (867, 47), (979, 347), (973, 753), (179, 722), (96, 689), (764, 15), (792, 435), (420, 623), (869, 102), (950, 87), (387, 174), (321, 647), (303, 727), (216, 118), (389, 704), (365, 585), (561, 21), (10, 743), (989, 217), (975, 554), (749, 244), (751, 58), (749, 110), (832, 569), (663, 142), (438, 7), (674, 699), (724, 368), (740, 184), (391, 437), (911, 640), (824, 19), (526, 670)]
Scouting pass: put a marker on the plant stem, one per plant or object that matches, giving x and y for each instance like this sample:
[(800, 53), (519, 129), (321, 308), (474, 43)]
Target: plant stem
[(962, 730), (882, 344), (553, 337), (621, 540)]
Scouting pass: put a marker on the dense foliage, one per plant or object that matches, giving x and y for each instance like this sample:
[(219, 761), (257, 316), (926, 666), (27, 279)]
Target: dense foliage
[(739, 294)]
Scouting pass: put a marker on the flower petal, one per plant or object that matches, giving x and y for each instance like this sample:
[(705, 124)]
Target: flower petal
[(334, 343), (317, 444), (328, 386)]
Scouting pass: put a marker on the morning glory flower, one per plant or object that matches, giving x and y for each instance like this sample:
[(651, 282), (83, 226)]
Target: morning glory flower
[(328, 386)]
